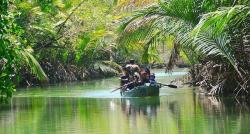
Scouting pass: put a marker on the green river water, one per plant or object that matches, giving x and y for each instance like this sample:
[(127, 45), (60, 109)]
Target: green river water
[(89, 107)]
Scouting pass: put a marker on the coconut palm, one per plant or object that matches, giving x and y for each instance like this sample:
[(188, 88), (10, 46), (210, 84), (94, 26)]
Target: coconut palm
[(203, 30)]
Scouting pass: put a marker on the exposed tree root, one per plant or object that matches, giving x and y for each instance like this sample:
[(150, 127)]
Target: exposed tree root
[(219, 79)]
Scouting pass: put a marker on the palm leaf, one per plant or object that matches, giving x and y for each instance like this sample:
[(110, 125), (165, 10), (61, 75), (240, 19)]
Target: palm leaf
[(210, 35), (219, 20), (107, 67), (216, 46), (25, 55)]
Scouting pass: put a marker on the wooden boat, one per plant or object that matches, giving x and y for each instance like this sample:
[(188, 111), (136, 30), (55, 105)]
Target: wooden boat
[(142, 91)]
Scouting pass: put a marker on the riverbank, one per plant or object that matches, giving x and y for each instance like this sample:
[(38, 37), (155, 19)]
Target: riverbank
[(60, 73), (217, 79)]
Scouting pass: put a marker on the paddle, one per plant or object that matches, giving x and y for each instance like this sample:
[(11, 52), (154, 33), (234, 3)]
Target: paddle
[(121, 87), (116, 89), (169, 85)]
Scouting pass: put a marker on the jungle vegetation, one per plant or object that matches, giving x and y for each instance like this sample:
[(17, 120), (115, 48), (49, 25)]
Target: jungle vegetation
[(61, 41), (213, 36)]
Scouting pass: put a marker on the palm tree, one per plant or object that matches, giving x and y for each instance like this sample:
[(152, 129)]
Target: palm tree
[(204, 30)]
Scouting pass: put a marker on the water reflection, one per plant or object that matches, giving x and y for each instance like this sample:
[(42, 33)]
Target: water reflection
[(183, 112), (225, 115), (91, 108), (136, 106)]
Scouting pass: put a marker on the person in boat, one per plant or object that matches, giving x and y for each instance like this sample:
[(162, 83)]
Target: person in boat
[(132, 67), (134, 83), (152, 79), (137, 80), (145, 73), (124, 76)]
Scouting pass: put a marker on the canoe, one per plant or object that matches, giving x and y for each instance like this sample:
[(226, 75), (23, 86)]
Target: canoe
[(142, 91)]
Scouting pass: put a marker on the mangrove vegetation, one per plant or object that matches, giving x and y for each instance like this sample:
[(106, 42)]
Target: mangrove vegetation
[(212, 36), (59, 41), (43, 42)]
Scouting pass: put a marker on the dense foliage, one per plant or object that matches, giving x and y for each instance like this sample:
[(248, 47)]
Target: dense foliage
[(73, 40), (213, 35), (14, 52), (77, 40), (66, 40)]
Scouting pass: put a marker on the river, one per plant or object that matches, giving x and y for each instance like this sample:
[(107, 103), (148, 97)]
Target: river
[(89, 107)]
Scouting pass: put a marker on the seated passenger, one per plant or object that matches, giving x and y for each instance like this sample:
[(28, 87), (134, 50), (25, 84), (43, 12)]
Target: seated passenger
[(124, 76), (152, 79), (144, 77), (124, 80), (137, 80), (145, 73), (132, 67)]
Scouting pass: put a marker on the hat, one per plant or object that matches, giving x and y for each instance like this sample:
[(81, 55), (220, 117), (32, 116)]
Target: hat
[(131, 61)]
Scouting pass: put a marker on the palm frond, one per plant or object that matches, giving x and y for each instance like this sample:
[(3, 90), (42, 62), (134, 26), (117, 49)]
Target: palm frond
[(179, 18), (152, 10), (112, 64), (35, 67), (210, 35), (188, 10), (148, 55), (143, 26), (219, 20), (107, 67), (216, 46)]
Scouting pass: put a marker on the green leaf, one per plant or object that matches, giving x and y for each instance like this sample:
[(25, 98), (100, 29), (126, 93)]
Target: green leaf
[(3, 75)]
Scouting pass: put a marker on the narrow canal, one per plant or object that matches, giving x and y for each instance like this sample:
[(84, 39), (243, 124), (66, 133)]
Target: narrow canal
[(89, 107)]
